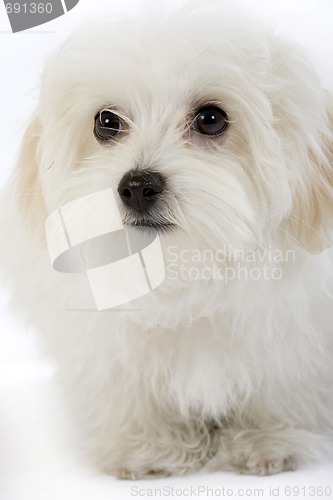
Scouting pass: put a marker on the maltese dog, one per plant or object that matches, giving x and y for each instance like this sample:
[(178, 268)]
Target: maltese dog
[(210, 138)]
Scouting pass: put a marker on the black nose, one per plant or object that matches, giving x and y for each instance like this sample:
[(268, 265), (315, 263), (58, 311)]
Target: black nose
[(140, 190)]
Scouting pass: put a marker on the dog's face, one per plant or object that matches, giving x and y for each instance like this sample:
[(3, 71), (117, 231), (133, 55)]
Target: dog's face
[(201, 124)]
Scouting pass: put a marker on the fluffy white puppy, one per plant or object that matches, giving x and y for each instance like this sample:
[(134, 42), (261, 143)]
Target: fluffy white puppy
[(216, 134)]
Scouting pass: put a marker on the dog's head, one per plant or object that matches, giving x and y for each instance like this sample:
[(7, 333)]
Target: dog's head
[(202, 123)]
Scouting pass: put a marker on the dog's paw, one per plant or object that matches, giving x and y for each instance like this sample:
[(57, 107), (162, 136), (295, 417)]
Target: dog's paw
[(262, 466), (142, 474), (254, 452)]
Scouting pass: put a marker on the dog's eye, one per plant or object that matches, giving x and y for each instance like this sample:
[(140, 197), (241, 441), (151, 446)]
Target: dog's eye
[(211, 120), (107, 125)]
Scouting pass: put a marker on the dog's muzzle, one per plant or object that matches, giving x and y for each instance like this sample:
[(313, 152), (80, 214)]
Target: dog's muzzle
[(140, 190)]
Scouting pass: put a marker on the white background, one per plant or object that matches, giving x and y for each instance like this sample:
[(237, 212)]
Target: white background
[(37, 453)]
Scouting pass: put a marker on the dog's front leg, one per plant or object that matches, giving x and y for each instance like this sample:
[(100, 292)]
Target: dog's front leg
[(132, 437), (161, 447), (266, 451)]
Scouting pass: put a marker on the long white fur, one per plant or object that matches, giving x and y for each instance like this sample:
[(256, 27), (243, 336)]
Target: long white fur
[(200, 373)]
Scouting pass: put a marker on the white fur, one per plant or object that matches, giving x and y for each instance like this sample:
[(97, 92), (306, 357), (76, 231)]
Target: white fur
[(203, 373)]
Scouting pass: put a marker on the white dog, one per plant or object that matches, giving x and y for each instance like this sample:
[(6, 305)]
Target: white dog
[(217, 135)]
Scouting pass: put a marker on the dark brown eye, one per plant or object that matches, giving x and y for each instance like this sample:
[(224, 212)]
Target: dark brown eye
[(107, 125), (211, 120)]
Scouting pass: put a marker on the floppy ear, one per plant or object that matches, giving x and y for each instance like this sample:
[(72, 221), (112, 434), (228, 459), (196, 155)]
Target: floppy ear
[(26, 184), (303, 119), (311, 222)]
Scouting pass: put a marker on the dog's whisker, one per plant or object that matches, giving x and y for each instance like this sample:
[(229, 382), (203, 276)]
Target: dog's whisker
[(291, 216)]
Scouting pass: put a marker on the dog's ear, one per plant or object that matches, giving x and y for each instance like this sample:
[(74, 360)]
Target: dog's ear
[(311, 221), (303, 119), (26, 183)]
